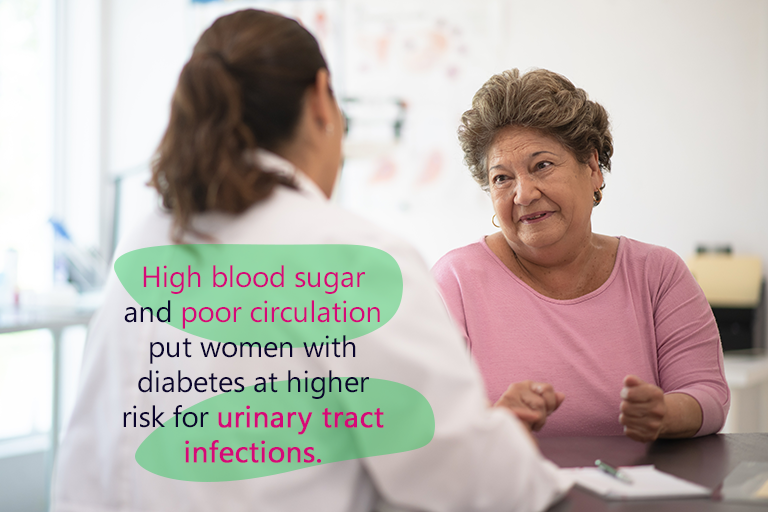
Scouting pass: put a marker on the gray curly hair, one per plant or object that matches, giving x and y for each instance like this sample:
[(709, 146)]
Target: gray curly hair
[(539, 99)]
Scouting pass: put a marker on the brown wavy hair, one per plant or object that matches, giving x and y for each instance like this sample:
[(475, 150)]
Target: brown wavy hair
[(541, 100), (242, 89)]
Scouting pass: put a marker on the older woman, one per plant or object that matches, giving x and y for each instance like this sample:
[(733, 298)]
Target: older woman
[(250, 156), (619, 326)]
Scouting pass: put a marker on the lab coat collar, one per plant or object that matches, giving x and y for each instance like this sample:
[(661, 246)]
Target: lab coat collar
[(274, 163)]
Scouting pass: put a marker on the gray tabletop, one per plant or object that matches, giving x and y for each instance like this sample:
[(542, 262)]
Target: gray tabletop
[(705, 460)]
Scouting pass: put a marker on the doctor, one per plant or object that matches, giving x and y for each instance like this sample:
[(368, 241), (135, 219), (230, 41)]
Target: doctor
[(250, 156)]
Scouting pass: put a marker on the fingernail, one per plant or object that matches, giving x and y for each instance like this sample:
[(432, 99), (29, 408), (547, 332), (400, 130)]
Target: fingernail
[(624, 393), (537, 388)]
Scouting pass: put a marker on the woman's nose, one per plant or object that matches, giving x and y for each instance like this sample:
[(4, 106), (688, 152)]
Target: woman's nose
[(526, 191)]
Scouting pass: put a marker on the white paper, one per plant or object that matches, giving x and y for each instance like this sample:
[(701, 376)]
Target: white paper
[(647, 483)]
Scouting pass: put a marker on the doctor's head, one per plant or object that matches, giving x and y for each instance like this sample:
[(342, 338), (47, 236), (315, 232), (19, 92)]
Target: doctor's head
[(255, 80)]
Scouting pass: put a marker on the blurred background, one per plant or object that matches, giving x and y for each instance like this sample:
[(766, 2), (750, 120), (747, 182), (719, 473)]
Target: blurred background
[(85, 87)]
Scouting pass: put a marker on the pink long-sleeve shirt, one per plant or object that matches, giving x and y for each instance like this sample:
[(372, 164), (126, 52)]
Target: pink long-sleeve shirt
[(650, 319)]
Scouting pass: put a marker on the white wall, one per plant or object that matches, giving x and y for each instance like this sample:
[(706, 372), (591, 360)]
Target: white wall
[(147, 48), (686, 85), (685, 82)]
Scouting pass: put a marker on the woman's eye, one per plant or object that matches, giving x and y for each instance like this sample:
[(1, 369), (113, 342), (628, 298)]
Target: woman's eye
[(499, 178), (543, 165)]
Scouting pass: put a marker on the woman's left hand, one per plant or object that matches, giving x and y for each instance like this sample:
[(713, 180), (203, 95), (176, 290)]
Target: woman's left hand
[(643, 409), (532, 402)]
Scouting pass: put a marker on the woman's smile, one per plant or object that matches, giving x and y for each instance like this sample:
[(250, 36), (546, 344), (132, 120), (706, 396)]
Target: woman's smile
[(533, 218)]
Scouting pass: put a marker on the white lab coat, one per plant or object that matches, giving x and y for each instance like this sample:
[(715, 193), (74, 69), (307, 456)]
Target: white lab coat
[(479, 458)]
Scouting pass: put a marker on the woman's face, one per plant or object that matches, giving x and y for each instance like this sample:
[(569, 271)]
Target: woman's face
[(541, 194)]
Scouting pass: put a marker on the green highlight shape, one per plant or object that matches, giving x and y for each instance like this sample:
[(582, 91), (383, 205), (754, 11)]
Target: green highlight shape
[(376, 293), (406, 416)]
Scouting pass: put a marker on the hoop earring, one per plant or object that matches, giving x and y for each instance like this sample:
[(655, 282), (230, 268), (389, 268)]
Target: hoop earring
[(493, 221), (597, 197)]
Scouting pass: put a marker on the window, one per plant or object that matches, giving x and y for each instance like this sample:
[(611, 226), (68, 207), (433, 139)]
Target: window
[(27, 122), (26, 140)]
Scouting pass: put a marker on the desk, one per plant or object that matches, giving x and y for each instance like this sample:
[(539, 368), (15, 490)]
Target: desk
[(705, 460), (55, 320)]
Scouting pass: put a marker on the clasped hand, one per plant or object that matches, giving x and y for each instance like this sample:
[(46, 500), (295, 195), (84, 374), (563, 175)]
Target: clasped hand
[(531, 402), (642, 409)]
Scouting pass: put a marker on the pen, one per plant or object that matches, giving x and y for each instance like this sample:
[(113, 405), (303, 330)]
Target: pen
[(612, 471)]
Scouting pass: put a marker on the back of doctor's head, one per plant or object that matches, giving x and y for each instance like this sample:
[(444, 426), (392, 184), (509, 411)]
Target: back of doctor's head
[(242, 89)]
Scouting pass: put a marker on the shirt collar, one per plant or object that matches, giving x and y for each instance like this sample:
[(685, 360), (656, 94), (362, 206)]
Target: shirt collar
[(271, 162)]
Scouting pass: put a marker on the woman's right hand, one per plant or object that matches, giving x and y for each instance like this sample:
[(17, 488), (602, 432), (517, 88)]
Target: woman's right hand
[(531, 402)]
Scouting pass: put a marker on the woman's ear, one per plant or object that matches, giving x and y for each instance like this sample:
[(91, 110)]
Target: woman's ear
[(596, 173), (321, 103)]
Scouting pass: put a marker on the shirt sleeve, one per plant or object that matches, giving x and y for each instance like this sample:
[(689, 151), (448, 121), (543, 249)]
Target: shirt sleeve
[(450, 291), (690, 356), (479, 458)]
